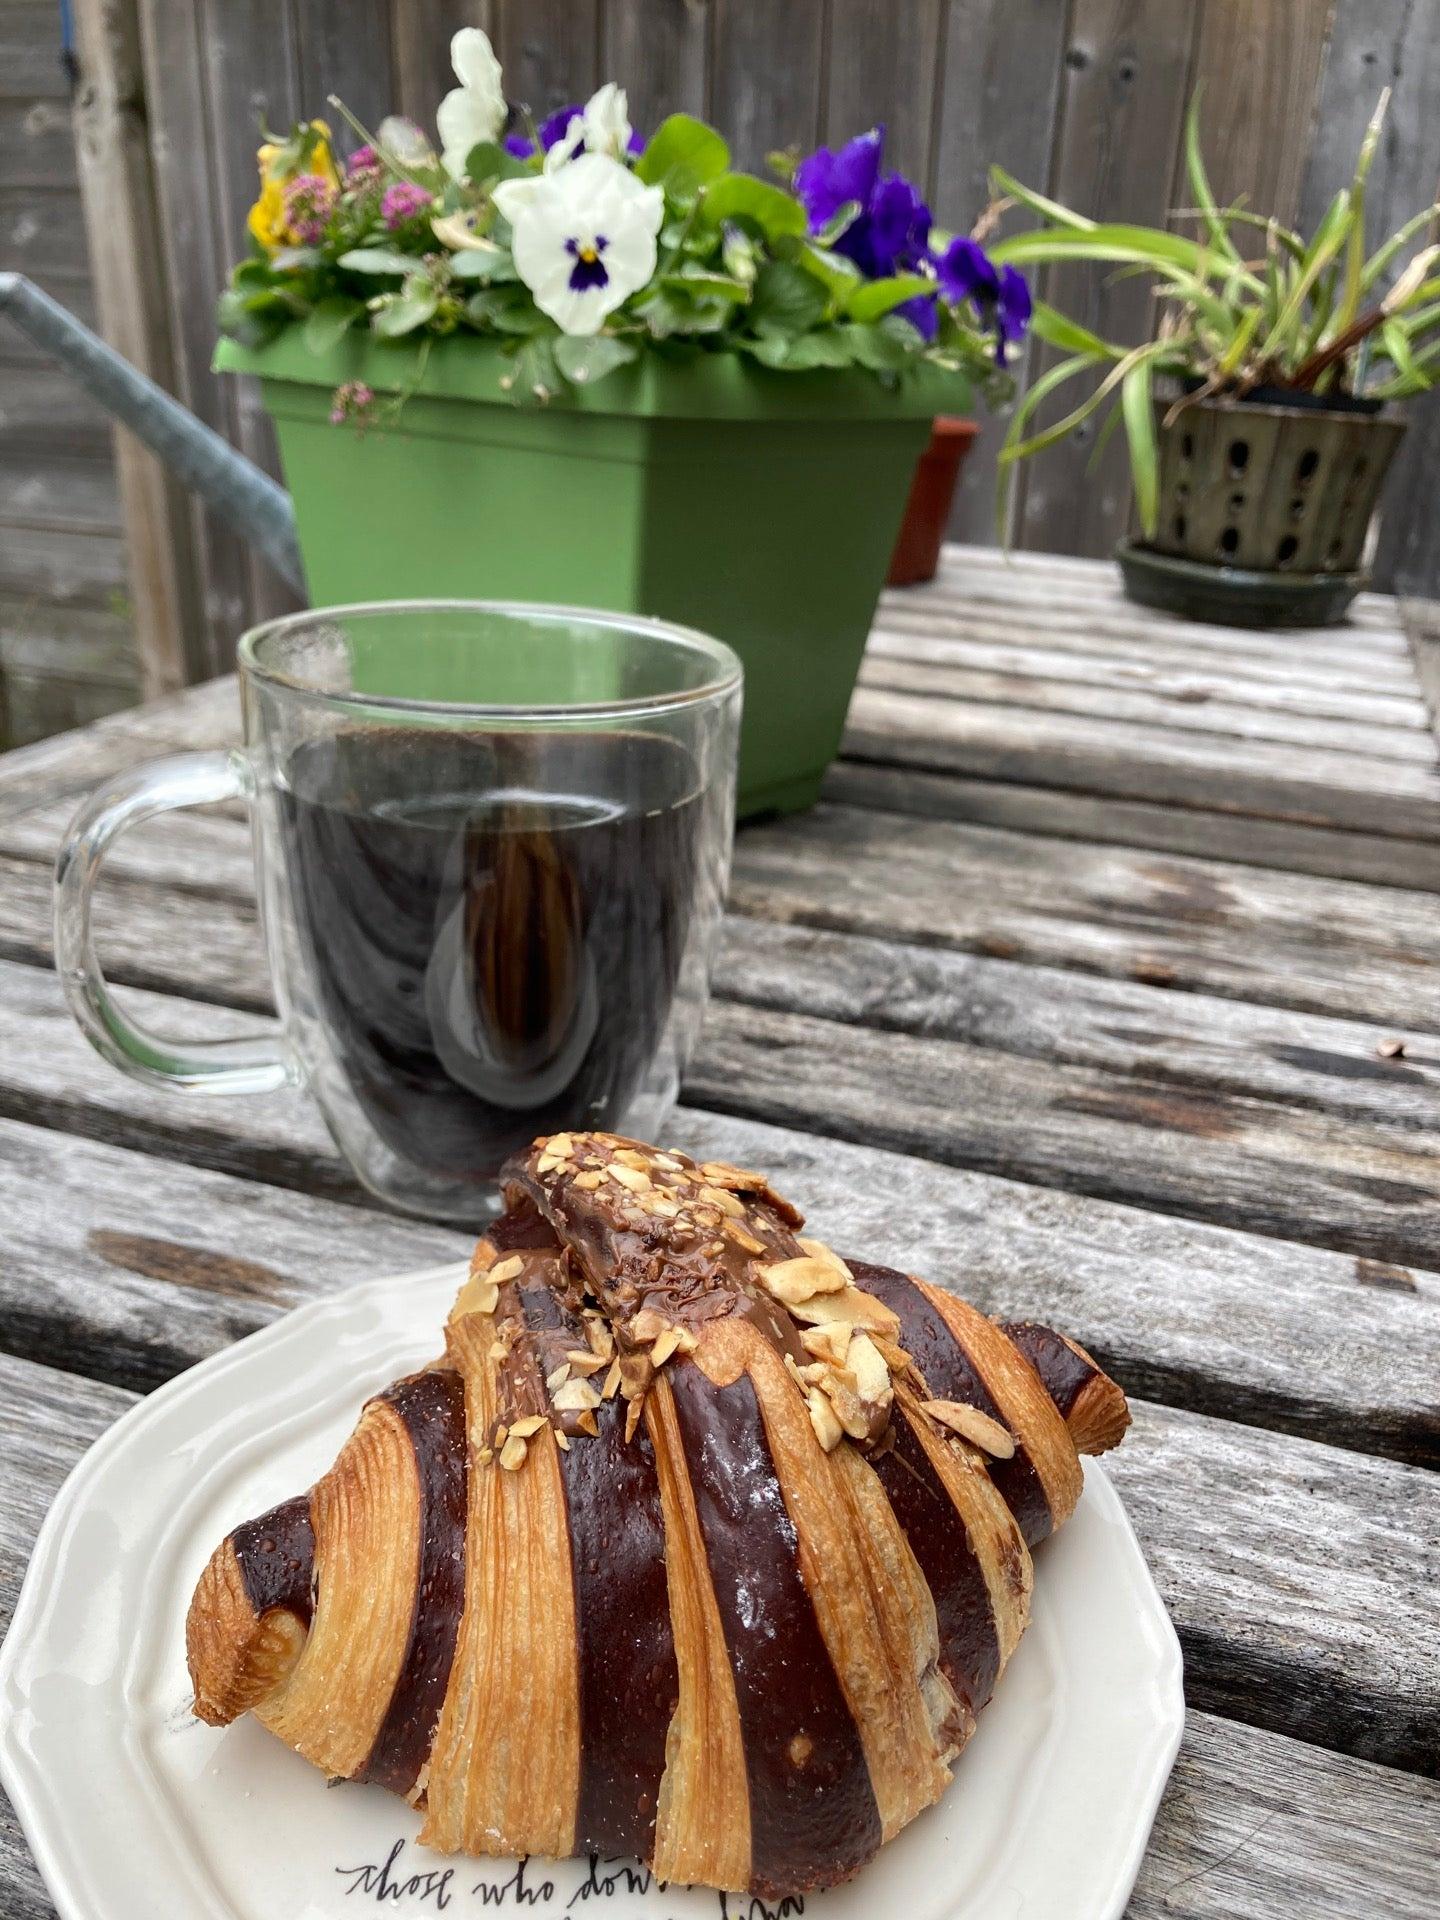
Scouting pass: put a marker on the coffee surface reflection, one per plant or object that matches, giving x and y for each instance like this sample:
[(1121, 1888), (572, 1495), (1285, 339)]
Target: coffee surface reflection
[(493, 925)]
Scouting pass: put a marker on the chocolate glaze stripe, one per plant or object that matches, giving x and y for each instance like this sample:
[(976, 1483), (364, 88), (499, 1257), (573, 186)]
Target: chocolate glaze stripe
[(629, 1679), (432, 1406), (951, 1374), (1063, 1371), (276, 1558), (940, 1541), (810, 1793)]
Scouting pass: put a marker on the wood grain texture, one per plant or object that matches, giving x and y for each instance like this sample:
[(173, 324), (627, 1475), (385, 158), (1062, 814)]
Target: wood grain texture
[(876, 76), (1146, 1294), (659, 51), (549, 50), (1126, 69), (998, 105), (1377, 43), (1257, 67), (421, 32), (766, 76), (122, 223)]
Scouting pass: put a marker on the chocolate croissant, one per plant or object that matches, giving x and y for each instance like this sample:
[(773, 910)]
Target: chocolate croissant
[(701, 1544)]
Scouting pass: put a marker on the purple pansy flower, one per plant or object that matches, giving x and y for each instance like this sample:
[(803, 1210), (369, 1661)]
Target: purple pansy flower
[(890, 232), (402, 203), (922, 315), (552, 131), (589, 269), (1000, 294)]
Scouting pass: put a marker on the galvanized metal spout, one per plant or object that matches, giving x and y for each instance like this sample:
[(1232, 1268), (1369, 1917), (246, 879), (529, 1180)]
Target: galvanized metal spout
[(250, 500)]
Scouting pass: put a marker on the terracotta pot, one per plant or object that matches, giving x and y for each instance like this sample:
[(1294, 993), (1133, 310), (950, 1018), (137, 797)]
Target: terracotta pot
[(927, 511)]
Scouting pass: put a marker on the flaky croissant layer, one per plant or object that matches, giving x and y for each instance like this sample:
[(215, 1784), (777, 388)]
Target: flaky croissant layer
[(700, 1544)]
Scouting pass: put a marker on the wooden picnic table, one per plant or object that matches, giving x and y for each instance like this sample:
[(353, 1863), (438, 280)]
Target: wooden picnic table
[(1081, 991)]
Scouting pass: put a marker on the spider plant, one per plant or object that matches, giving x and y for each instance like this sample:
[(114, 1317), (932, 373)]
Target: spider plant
[(1241, 302)]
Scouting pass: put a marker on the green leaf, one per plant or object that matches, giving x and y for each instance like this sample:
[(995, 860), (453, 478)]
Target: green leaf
[(251, 320), (537, 374), (1355, 244), (695, 279), (1376, 265), (889, 347), (739, 254), (1005, 183), (491, 264), (1059, 330), (409, 310), (489, 161), (504, 309), (1146, 246), (668, 312), (787, 299), (586, 358), (1138, 406), (876, 298), (802, 352), (330, 321), (377, 260), (682, 156), (836, 225), (1396, 343), (1330, 237), (839, 276), (740, 196), (295, 259)]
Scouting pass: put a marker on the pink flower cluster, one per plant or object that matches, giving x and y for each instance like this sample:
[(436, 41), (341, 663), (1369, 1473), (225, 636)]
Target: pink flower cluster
[(363, 168), (309, 202), (351, 400), (402, 203)]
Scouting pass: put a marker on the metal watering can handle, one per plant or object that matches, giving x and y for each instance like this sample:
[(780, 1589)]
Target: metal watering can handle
[(250, 500)]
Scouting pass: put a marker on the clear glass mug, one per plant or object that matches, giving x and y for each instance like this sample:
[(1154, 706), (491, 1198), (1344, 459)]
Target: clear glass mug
[(486, 918)]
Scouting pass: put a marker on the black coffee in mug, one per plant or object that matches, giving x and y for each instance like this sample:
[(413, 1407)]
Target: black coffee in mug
[(492, 925)]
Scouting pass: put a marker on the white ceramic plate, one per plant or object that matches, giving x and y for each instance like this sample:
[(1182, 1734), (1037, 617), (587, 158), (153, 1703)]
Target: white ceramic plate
[(135, 1809)]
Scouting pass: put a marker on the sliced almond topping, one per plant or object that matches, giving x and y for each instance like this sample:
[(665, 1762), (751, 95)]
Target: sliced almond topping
[(485, 1456), (860, 1309), (628, 1157), (589, 1180), (597, 1332), (636, 1373), (973, 1425), (647, 1325), (632, 1419), (583, 1362), (497, 1350), (668, 1162), (512, 1454), (721, 1197), (531, 1423), (818, 1250), (498, 1437), (562, 1439), (662, 1208), (547, 1163), (665, 1346), (794, 1281), (507, 1269), (612, 1382), (478, 1295), (587, 1423), (631, 1178), (560, 1145), (872, 1376), (828, 1430), (740, 1179), (574, 1396), (558, 1377), (744, 1239), (688, 1341), (828, 1342)]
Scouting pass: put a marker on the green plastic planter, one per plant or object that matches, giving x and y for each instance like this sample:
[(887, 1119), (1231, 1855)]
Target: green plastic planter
[(759, 506)]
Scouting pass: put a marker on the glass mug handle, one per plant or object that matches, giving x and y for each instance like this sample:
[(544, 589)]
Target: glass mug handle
[(254, 1063)]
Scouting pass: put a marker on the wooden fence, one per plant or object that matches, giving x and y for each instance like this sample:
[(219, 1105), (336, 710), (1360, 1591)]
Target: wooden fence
[(1082, 97)]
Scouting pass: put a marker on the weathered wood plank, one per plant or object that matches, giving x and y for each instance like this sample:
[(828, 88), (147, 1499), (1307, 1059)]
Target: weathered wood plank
[(548, 50), (56, 491), (1201, 713), (1132, 823), (31, 60), (1313, 786), (34, 705), (767, 66), (63, 568), (1257, 1827), (421, 32), (41, 409), (1126, 70), (36, 143), (1203, 1316), (128, 1267), (205, 716), (123, 228), (1377, 43), (999, 104), (659, 51), (878, 77), (1301, 1552), (39, 232), (344, 48), (1257, 66)]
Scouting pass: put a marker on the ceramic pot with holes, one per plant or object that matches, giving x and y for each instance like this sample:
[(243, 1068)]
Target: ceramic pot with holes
[(1265, 504)]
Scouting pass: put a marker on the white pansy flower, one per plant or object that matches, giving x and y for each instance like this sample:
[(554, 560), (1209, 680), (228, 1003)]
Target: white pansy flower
[(607, 122), (475, 110), (583, 237)]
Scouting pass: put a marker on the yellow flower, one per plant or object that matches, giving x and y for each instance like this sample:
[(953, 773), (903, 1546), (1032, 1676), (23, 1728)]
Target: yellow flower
[(306, 151)]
